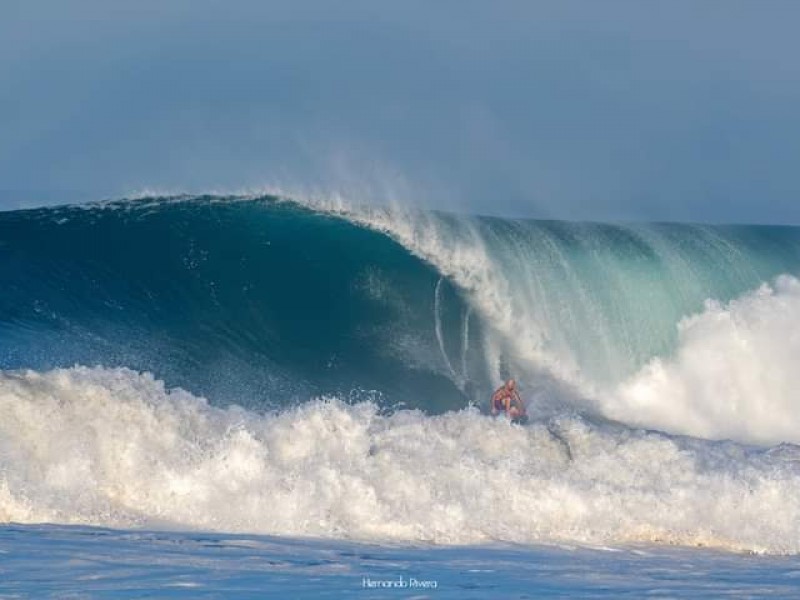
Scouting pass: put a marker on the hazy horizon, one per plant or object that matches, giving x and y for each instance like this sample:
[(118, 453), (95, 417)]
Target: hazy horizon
[(571, 110)]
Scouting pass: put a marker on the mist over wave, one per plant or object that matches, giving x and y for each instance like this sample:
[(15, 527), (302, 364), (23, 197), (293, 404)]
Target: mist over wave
[(343, 349)]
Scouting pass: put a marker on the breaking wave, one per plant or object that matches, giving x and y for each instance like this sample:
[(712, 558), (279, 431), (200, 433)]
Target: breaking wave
[(325, 366)]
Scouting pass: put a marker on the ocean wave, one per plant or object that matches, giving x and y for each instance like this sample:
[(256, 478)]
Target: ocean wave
[(346, 352)]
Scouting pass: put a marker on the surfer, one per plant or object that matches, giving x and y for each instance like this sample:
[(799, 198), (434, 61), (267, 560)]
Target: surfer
[(506, 399)]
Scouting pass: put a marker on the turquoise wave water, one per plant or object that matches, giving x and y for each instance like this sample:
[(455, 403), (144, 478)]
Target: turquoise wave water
[(598, 301)]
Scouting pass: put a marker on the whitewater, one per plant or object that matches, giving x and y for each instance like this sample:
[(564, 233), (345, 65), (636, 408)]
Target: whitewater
[(311, 376), (114, 448)]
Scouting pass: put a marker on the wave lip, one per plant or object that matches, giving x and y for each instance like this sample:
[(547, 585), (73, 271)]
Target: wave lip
[(114, 447)]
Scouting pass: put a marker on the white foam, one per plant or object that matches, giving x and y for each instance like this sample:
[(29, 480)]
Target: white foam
[(734, 375), (114, 447)]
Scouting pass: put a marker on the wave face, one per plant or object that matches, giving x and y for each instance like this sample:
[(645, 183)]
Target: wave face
[(264, 300), (330, 356)]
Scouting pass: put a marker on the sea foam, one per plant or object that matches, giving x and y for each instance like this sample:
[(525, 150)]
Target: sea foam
[(115, 447)]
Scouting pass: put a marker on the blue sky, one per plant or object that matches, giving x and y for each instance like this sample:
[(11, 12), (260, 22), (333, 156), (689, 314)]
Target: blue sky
[(679, 110)]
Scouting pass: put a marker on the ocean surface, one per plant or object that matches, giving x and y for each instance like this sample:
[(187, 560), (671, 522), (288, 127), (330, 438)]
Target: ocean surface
[(270, 397)]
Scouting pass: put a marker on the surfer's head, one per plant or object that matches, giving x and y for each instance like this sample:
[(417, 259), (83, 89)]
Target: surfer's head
[(511, 384)]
